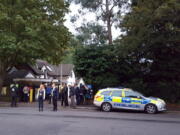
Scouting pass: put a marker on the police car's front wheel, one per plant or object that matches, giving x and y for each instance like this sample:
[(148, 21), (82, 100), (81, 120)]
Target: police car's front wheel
[(151, 109), (106, 107)]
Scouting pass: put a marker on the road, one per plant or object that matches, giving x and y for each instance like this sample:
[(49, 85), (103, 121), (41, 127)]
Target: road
[(28, 121)]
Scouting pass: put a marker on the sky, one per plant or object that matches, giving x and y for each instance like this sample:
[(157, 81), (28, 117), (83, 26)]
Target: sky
[(73, 12), (86, 18)]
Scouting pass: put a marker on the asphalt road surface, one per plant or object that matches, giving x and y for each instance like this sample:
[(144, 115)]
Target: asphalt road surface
[(28, 121)]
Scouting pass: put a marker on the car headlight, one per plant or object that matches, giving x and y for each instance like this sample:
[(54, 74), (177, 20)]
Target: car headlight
[(161, 101)]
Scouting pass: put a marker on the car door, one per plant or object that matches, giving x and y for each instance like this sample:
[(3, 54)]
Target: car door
[(116, 98), (106, 96), (132, 100)]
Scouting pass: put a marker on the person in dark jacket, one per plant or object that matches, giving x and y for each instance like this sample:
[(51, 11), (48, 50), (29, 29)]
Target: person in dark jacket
[(63, 95), (48, 93), (72, 96), (82, 89), (77, 91), (26, 93), (65, 90), (14, 95), (54, 96)]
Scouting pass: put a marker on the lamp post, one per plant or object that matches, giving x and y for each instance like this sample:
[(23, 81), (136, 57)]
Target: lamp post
[(61, 75)]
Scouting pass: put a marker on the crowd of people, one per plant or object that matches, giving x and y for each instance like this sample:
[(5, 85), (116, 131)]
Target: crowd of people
[(77, 95)]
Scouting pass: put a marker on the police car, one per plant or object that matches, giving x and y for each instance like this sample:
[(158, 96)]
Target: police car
[(124, 98)]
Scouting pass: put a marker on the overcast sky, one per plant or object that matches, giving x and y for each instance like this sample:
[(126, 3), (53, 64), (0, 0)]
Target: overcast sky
[(86, 18)]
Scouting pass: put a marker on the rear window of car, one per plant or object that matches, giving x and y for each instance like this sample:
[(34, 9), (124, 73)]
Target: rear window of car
[(106, 93), (117, 93)]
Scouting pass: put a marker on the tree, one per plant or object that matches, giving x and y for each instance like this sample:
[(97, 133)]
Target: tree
[(94, 64), (152, 37), (91, 34), (106, 10), (30, 30), (69, 53)]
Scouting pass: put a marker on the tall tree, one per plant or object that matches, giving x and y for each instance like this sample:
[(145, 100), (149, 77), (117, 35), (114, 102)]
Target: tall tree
[(152, 37), (30, 30), (91, 34), (106, 10), (94, 63)]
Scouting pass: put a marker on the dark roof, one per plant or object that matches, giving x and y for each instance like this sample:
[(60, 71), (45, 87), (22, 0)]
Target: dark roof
[(41, 63), (32, 68), (52, 70), (19, 74), (16, 74), (36, 70)]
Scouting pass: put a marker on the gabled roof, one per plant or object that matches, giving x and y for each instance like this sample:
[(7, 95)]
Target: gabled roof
[(40, 65), (35, 70), (16, 74), (53, 70), (19, 74)]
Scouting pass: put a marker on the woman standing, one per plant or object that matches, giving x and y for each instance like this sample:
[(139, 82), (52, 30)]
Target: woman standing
[(41, 96), (54, 96)]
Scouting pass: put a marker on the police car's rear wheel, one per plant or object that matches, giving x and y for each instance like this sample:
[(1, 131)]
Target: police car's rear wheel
[(151, 109), (106, 107)]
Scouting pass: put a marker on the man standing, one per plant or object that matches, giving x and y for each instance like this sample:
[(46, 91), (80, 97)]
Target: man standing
[(72, 96), (82, 89), (77, 91), (48, 92), (65, 90), (14, 91), (26, 93), (62, 95), (54, 96)]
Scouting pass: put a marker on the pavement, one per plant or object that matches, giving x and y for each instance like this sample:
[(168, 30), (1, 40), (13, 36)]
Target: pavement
[(46, 105), (85, 121), (171, 108)]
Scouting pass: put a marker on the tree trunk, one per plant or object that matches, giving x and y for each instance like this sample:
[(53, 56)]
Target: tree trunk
[(109, 31), (108, 19)]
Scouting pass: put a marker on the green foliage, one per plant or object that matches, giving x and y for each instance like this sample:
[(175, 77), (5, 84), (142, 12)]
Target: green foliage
[(32, 29), (91, 34), (145, 58), (152, 40), (106, 10), (94, 64)]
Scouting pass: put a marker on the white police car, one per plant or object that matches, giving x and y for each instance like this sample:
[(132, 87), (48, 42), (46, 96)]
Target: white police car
[(124, 98)]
